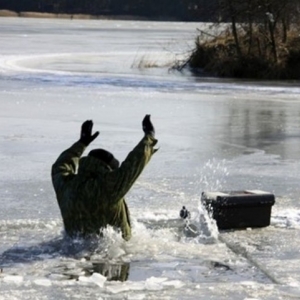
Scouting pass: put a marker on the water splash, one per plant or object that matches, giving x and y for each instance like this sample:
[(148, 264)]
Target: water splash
[(202, 228), (213, 176)]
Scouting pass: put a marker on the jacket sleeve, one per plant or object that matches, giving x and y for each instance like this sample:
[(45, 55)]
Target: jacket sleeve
[(119, 181), (66, 164)]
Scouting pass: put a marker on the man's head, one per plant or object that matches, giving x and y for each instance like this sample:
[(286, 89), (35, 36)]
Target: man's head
[(106, 157)]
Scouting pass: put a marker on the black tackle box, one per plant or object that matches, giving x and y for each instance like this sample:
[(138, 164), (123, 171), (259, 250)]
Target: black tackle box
[(239, 209)]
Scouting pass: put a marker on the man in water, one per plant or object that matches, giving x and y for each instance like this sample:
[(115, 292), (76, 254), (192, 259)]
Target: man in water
[(90, 190)]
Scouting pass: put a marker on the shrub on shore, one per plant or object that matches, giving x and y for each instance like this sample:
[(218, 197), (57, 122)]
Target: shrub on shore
[(220, 56), (260, 39)]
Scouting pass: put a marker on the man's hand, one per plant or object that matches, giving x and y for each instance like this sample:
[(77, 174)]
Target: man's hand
[(148, 127), (86, 136)]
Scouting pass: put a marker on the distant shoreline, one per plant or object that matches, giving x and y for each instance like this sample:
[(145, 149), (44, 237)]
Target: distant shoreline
[(41, 15)]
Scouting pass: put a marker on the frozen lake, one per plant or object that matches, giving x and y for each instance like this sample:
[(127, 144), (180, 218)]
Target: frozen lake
[(213, 135)]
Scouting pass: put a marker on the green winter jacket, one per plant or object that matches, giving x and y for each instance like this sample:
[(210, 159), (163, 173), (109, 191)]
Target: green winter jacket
[(93, 197)]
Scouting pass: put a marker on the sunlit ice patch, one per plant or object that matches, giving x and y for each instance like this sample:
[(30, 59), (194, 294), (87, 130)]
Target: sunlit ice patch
[(286, 218)]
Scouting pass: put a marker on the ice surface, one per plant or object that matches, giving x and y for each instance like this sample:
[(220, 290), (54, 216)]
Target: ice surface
[(213, 135)]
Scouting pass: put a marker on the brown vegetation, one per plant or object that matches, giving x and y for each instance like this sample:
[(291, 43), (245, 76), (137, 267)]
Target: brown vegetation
[(28, 14), (8, 13), (219, 57), (261, 41)]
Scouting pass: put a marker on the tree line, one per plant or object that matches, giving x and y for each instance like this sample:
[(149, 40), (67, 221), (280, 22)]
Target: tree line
[(183, 10), (267, 23), (260, 40)]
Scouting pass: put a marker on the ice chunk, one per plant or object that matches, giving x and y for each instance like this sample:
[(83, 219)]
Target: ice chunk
[(66, 282), (43, 282), (116, 252), (13, 279), (95, 278), (249, 283), (118, 288), (175, 283), (156, 279), (58, 277), (135, 286), (154, 283), (293, 283), (136, 297), (84, 279), (98, 279)]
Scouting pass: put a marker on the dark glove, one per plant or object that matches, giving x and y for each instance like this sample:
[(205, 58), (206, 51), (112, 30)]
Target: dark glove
[(86, 136), (148, 127)]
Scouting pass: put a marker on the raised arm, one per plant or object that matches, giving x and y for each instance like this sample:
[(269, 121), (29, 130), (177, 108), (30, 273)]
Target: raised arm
[(119, 182), (67, 162)]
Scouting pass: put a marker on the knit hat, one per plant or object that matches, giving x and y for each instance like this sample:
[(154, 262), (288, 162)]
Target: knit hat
[(106, 157)]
